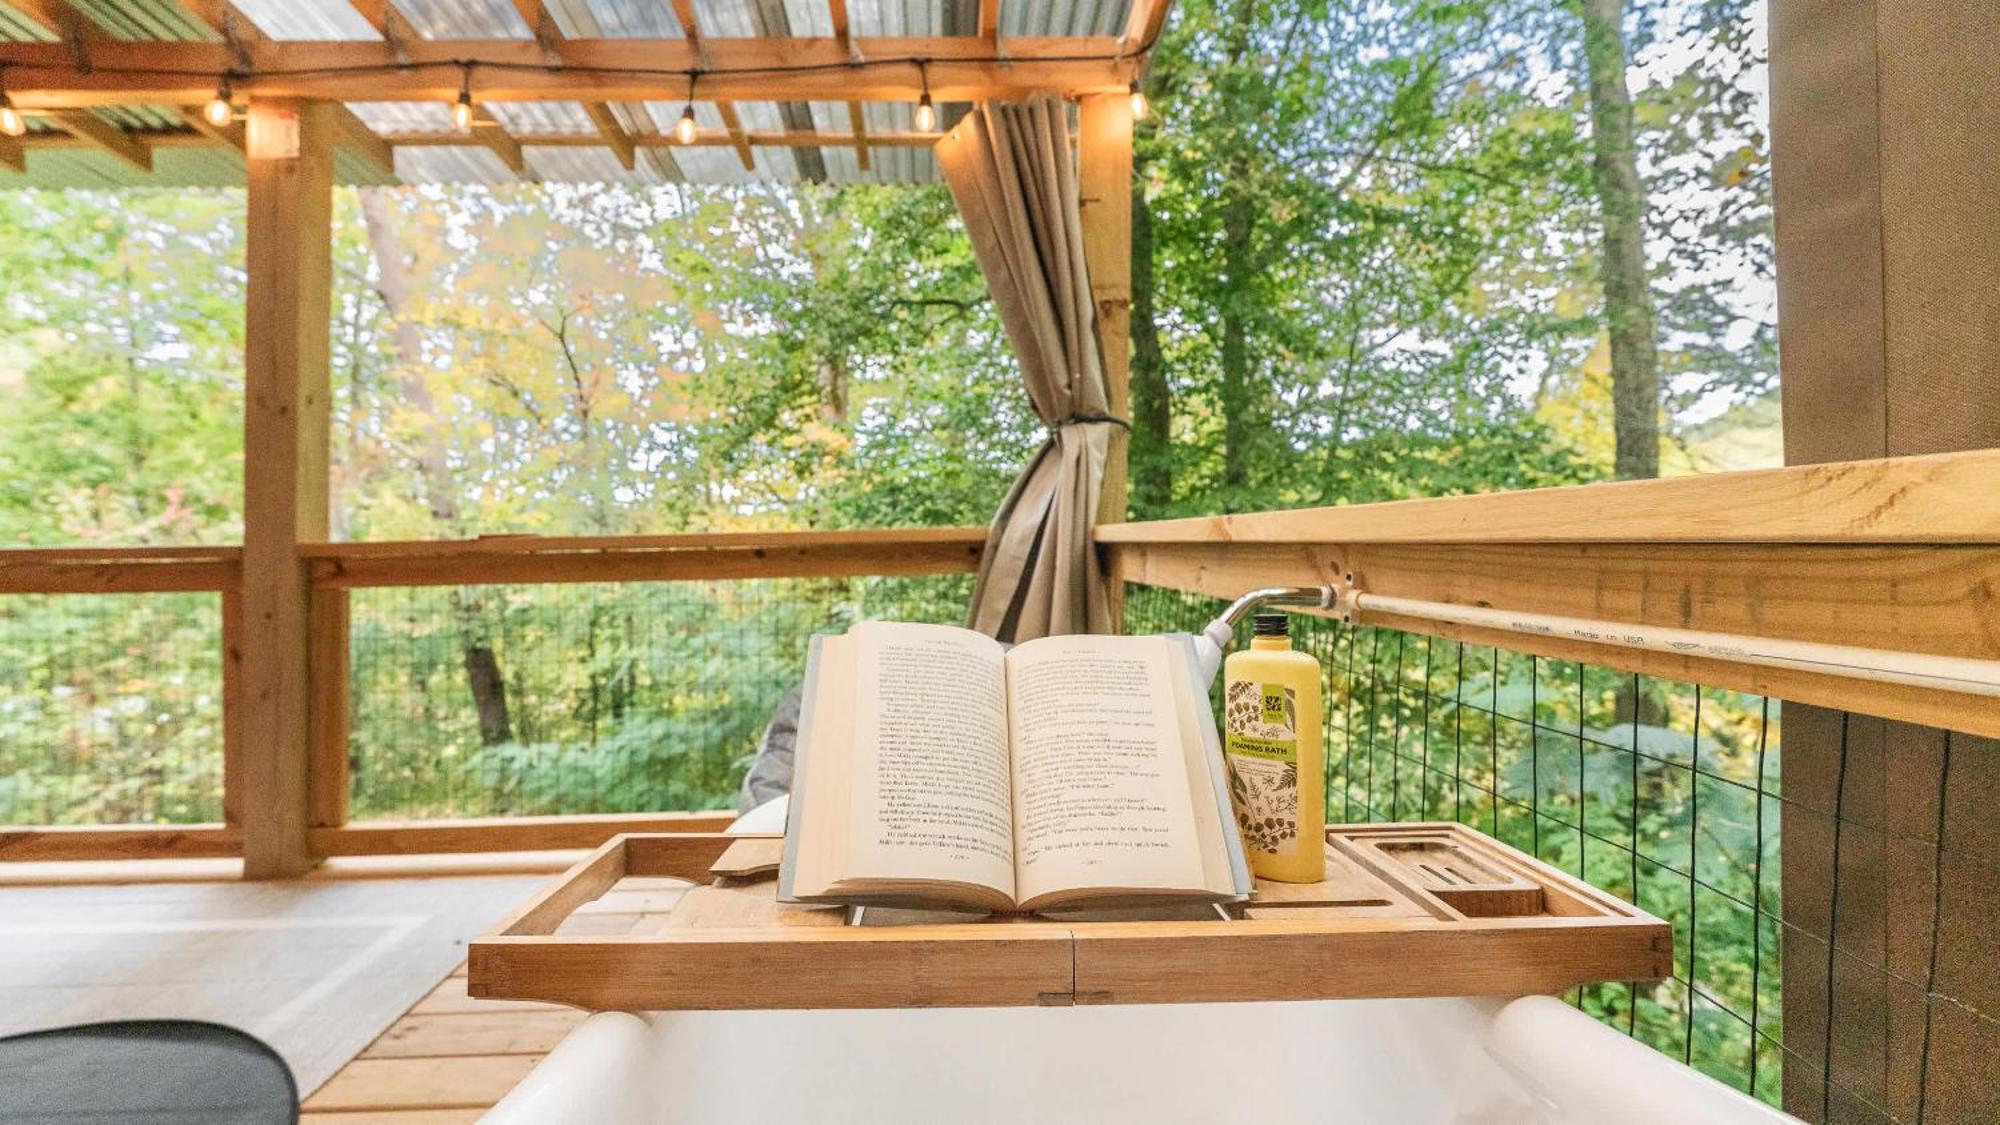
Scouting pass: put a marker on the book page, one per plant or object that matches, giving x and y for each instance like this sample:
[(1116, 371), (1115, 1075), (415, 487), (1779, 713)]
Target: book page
[(931, 777), (1101, 794)]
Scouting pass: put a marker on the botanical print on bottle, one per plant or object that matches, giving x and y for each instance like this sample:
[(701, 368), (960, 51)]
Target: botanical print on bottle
[(1263, 722)]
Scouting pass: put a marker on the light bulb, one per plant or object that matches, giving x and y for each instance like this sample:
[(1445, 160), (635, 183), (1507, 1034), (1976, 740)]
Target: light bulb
[(926, 116), (685, 128), (461, 113), (10, 120), (218, 112), (1139, 106)]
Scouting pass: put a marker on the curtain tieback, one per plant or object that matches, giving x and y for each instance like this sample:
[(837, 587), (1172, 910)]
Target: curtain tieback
[(1109, 419)]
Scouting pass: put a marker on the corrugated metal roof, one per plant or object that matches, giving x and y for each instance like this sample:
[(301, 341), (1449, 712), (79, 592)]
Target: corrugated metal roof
[(489, 19)]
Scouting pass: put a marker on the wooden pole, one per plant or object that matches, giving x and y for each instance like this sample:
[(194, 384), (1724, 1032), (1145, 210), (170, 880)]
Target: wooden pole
[(1104, 173), (289, 164), (1888, 247)]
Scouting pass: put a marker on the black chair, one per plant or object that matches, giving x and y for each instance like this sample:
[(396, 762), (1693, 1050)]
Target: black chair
[(166, 1071)]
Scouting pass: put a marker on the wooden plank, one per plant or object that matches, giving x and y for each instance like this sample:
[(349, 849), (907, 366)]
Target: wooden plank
[(561, 544), (765, 138), (231, 134), (355, 134), (589, 878), (429, 568), (733, 125), (960, 68), (852, 967), (489, 132), (612, 133), (103, 135), (502, 834), (329, 626), (1943, 498), (285, 495), (474, 1033), (451, 997), (858, 122), (70, 842), (474, 1082), (1142, 25), (464, 1115), (1104, 175), (1925, 599), (543, 27), (117, 576), (395, 1117)]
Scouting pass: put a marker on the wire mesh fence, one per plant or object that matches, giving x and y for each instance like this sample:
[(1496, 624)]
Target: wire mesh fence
[(499, 700), (1663, 793), (110, 708)]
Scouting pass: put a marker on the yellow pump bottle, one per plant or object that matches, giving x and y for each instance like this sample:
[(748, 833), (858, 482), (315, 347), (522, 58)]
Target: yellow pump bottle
[(1277, 761)]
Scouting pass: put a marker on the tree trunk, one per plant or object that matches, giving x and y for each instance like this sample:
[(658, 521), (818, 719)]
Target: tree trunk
[(1152, 400), (483, 678), (1237, 399), (489, 694), (1628, 301)]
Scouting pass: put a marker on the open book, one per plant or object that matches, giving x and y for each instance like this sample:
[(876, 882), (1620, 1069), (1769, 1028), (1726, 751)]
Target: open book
[(937, 768)]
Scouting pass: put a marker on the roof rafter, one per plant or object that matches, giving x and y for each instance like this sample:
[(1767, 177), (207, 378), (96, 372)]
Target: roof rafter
[(354, 133), (99, 133), (613, 134), (391, 24), (231, 134), (543, 27), (488, 131), (857, 121), (960, 68)]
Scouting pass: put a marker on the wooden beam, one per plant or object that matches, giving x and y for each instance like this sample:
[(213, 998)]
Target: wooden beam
[(836, 11), (963, 68), (71, 842), (1104, 183), (647, 558), (1937, 499), (613, 133), (858, 121), (543, 27), (503, 834), (488, 131), (326, 775), (392, 25), (230, 134), (233, 27), (26, 576), (103, 135), (60, 19), (1142, 24), (13, 156), (285, 444), (708, 138), (354, 133), (733, 125), (989, 19)]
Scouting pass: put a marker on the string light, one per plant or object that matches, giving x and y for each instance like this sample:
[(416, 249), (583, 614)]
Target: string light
[(218, 111), (1139, 106), (461, 110), (11, 123), (685, 128), (926, 115)]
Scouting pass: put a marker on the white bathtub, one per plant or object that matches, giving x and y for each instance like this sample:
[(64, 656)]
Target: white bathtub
[(1452, 1060), (1468, 1060)]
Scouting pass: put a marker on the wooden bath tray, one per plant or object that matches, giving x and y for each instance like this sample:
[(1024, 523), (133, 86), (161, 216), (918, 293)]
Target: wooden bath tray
[(1405, 910)]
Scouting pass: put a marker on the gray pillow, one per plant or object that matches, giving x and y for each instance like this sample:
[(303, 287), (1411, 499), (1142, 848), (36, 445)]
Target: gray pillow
[(771, 772)]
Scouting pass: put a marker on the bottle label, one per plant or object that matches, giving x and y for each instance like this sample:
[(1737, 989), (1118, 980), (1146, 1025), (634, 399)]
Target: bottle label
[(1263, 745)]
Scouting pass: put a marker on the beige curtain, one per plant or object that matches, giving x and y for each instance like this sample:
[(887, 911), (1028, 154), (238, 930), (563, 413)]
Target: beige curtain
[(1011, 168)]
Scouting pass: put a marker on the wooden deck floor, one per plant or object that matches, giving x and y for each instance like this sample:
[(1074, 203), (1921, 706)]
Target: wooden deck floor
[(450, 1058)]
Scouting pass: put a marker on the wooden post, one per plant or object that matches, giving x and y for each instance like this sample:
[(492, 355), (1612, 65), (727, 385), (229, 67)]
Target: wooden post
[(1888, 301), (1104, 174), (329, 620), (289, 166)]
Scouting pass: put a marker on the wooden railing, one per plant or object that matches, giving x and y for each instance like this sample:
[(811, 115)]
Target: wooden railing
[(1901, 554), (332, 570)]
